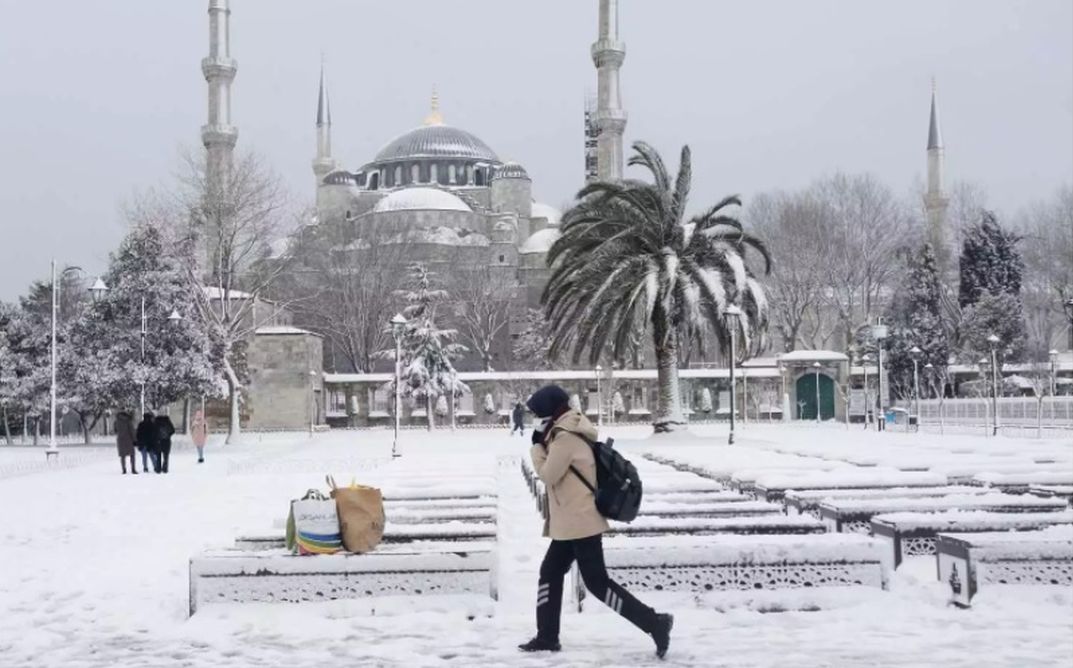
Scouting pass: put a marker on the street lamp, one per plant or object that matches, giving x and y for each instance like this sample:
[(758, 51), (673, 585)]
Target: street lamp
[(879, 332), (816, 367), (398, 326), (784, 401), (915, 353), (599, 399), (53, 450), (929, 370), (865, 359), (732, 315), (1053, 354), (312, 402), (993, 342), (1067, 306)]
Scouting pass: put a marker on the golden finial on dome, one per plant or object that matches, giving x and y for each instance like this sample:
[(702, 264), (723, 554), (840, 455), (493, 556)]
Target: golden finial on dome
[(434, 116)]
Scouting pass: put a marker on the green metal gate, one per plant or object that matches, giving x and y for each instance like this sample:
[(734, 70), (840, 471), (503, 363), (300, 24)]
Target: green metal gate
[(806, 397)]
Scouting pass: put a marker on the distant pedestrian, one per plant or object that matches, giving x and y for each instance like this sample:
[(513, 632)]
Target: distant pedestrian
[(565, 462), (124, 440), (165, 430), (518, 420), (199, 433), (148, 442)]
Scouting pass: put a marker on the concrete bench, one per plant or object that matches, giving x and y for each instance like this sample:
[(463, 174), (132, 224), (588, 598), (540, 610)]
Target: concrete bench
[(453, 531), (1022, 482), (699, 565), (236, 576), (855, 515), (1056, 491), (966, 562), (774, 487), (913, 534), (704, 526), (808, 501)]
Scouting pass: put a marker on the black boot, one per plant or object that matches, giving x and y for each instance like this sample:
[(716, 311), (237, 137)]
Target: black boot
[(539, 644), (662, 633)]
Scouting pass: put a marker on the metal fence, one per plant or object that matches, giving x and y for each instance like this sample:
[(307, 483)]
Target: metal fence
[(1023, 415)]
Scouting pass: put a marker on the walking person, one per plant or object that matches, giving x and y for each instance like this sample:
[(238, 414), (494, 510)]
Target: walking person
[(518, 420), (561, 457), (147, 439), (199, 432), (124, 440), (165, 430)]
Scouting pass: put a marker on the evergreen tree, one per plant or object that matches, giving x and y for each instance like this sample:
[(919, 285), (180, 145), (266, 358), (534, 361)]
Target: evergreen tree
[(916, 320), (103, 367), (427, 350), (990, 261)]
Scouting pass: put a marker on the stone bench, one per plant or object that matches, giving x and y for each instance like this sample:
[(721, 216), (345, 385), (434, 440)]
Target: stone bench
[(704, 526), (966, 562), (1055, 491), (1022, 482), (855, 515), (808, 501), (913, 534), (775, 487), (452, 531), (237, 576), (698, 565)]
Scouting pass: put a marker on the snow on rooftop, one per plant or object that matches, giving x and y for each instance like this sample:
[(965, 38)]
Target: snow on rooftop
[(814, 356), (414, 199), (541, 210), (540, 242)]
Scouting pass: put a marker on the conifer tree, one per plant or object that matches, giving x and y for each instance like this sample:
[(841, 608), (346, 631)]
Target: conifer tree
[(990, 261), (916, 320)]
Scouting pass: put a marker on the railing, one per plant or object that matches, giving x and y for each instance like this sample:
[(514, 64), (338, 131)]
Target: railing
[(1015, 414)]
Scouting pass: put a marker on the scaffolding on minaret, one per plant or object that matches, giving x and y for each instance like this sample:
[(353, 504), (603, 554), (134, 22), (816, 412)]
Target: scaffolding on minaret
[(592, 134)]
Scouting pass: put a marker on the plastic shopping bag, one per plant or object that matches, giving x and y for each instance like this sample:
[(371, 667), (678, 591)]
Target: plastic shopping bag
[(313, 525)]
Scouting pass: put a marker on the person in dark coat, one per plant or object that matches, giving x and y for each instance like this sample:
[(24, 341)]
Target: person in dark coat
[(124, 440), (518, 420), (165, 430), (148, 441), (564, 461)]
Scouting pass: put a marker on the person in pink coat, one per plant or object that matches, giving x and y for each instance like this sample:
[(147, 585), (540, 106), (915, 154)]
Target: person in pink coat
[(199, 433)]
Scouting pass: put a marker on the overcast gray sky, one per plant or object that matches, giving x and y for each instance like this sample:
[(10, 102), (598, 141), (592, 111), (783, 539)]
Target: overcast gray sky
[(97, 97)]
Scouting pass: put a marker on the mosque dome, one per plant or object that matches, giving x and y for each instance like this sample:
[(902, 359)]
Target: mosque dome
[(510, 170), (416, 199), (540, 242), (541, 210), (436, 141), (339, 177)]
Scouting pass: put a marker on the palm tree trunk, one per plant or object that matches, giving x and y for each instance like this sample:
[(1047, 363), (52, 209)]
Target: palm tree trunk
[(668, 417)]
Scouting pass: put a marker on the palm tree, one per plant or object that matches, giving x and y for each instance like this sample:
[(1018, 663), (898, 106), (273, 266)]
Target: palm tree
[(629, 259)]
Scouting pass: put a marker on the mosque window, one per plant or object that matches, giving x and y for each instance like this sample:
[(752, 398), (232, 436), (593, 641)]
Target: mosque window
[(433, 173), (398, 176), (450, 173), (415, 173), (502, 259), (478, 177), (374, 181), (469, 175)]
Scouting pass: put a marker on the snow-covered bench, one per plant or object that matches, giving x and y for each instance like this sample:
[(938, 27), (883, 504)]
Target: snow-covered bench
[(913, 534), (1058, 491), (698, 565), (1021, 482), (808, 501), (855, 515), (968, 561), (418, 572), (774, 487), (449, 531), (705, 526)]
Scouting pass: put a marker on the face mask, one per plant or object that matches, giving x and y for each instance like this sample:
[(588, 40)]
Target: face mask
[(542, 425)]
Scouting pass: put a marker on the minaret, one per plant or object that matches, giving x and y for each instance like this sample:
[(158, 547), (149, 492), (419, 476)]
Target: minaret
[(324, 163), (610, 118), (935, 200), (219, 135)]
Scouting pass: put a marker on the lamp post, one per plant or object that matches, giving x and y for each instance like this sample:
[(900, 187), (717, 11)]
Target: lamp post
[(1053, 354), (816, 368), (398, 325), (732, 315), (312, 402), (784, 401), (865, 359), (599, 398), (1067, 306), (993, 342), (53, 448), (915, 353), (879, 332)]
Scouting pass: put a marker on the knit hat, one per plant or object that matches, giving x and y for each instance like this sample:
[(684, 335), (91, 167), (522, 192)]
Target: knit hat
[(548, 401)]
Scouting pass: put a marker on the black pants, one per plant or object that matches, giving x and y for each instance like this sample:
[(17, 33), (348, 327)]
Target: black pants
[(589, 553), (165, 454), (519, 428)]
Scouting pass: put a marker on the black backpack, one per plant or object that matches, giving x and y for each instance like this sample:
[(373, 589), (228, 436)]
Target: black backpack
[(618, 486)]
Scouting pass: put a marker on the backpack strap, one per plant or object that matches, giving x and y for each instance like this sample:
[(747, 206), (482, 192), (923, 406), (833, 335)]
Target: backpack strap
[(582, 479)]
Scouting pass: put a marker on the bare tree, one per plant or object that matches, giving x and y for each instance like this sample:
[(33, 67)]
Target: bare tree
[(866, 228), (1047, 251), (482, 308), (230, 225)]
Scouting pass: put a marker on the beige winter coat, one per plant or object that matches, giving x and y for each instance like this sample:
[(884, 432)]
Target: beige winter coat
[(572, 510)]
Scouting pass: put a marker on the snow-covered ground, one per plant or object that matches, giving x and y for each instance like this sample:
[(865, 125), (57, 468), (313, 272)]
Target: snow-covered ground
[(93, 567)]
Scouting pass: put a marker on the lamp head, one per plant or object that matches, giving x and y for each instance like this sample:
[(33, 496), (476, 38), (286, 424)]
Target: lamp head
[(175, 318), (98, 289)]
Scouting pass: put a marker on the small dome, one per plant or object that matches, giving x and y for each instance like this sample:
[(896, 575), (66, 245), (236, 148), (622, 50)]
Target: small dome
[(510, 170), (540, 242), (436, 141), (339, 177), (541, 210), (504, 226), (414, 199)]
